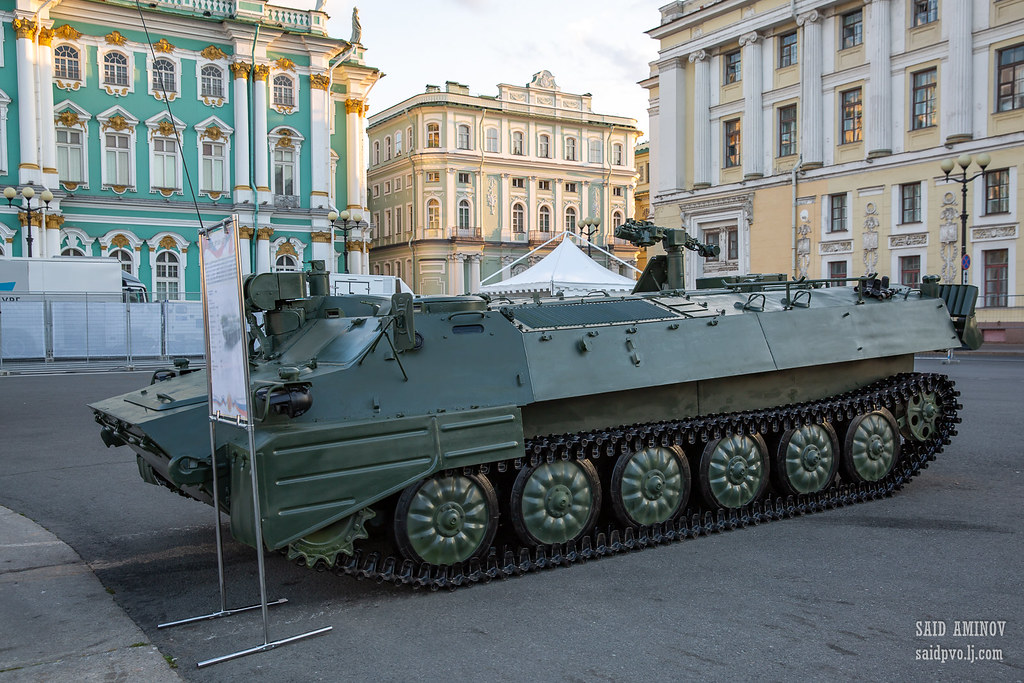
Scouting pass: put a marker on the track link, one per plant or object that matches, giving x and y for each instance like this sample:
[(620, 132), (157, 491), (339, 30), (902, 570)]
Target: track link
[(696, 522)]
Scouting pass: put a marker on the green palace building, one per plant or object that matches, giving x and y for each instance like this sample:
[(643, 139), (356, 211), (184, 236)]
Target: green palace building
[(143, 126)]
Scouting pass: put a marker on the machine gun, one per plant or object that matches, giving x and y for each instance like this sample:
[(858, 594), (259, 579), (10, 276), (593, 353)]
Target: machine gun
[(663, 272)]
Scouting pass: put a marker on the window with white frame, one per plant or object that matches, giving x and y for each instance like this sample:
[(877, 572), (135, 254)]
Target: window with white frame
[(387, 148), (433, 176), (463, 177), (910, 203), (732, 62), (284, 171), (398, 143), (571, 188), (164, 76), (519, 183), (376, 152), (544, 219), (617, 191), (167, 276), (214, 166), (838, 211), (283, 91), (570, 149), (837, 270), (285, 263), (70, 155), (398, 183), (115, 69), (463, 214), (67, 63), (594, 151), (117, 157), (997, 191), (617, 157), (544, 185), (408, 139), (570, 219), (433, 214), (68, 251), (995, 262), (925, 11), (544, 146), (517, 142), (124, 257), (462, 137), (910, 270), (491, 140), (518, 218), (211, 81), (433, 135), (616, 219), (164, 169)]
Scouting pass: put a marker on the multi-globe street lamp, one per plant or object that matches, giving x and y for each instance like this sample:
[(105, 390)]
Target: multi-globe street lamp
[(349, 221), (964, 162), (589, 228), (28, 193)]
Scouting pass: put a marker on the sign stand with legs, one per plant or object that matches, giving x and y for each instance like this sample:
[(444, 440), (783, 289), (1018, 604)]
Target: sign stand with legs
[(228, 387)]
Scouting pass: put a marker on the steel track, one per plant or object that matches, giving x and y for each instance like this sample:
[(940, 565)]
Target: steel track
[(891, 393)]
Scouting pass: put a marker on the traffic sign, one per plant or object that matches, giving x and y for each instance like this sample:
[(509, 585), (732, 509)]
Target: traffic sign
[(965, 262)]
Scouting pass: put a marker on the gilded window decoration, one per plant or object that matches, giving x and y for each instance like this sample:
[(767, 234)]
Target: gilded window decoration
[(163, 46), (115, 38), (212, 52), (67, 32)]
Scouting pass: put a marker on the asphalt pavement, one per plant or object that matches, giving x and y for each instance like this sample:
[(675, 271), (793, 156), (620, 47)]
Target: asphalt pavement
[(855, 593)]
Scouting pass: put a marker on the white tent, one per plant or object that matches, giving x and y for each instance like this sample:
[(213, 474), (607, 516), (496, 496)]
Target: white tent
[(566, 269)]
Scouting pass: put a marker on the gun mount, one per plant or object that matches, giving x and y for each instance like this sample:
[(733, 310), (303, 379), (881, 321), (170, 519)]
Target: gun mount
[(663, 272)]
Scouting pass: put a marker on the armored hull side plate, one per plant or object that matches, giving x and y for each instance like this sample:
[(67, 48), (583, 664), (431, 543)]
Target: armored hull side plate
[(554, 316)]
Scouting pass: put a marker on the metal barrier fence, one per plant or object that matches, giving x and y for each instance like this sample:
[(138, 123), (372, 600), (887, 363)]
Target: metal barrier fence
[(1007, 308), (84, 327)]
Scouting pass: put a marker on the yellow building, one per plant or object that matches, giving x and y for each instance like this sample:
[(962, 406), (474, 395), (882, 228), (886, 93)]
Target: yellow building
[(461, 186), (806, 136)]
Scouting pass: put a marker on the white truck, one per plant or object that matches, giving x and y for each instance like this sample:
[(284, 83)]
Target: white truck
[(26, 279)]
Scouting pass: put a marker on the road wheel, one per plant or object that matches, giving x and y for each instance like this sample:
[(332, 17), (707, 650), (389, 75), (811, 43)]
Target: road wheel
[(650, 486), (734, 470), (807, 459), (872, 446), (555, 502)]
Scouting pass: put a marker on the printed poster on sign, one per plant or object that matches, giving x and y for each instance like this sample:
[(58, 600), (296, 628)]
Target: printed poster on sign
[(226, 354)]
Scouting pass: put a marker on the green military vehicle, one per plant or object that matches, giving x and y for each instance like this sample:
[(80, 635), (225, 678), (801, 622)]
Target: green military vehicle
[(442, 440)]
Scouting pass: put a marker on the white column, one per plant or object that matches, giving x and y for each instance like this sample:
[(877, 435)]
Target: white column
[(958, 76), (811, 132), (353, 112), (28, 168), (245, 248), (47, 130), (319, 140), (457, 277), (672, 128), (474, 273), (361, 143), (702, 173), (240, 77), (263, 260), (505, 204), (558, 211), (448, 220), (260, 133), (878, 100), (753, 128), (52, 230)]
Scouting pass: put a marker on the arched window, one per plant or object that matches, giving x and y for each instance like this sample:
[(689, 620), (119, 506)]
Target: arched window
[(570, 219), (166, 282), (387, 148), (463, 213), (69, 251), (463, 136), (387, 269), (617, 154), (376, 152), (517, 142), (284, 91), (570, 149), (544, 147), (163, 76), (115, 69), (544, 219), (285, 263), (125, 257), (433, 214), (616, 219), (491, 140), (408, 138), (398, 143), (518, 218), (212, 81), (66, 63), (433, 135)]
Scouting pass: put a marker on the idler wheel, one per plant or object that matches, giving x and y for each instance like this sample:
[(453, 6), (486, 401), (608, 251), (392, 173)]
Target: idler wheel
[(734, 470), (650, 486), (872, 446), (807, 459), (446, 519), (922, 416), (555, 502)]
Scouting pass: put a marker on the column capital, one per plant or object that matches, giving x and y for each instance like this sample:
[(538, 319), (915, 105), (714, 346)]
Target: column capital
[(25, 28), (319, 81), (260, 72), (239, 69), (811, 17), (245, 233), (264, 233), (698, 56), (749, 38), (320, 237), (45, 36), (670, 64), (353, 106)]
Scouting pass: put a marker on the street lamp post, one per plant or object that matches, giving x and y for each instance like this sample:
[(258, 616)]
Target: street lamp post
[(28, 193), (349, 220), (590, 227), (964, 161)]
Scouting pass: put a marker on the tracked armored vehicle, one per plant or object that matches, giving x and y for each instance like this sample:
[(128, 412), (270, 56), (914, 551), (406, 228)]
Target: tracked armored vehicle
[(438, 441)]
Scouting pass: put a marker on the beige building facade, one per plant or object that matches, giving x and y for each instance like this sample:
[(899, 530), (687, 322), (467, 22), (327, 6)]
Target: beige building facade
[(806, 136), (462, 185)]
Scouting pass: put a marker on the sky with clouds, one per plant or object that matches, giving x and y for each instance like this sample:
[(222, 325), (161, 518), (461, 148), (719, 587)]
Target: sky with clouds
[(595, 46)]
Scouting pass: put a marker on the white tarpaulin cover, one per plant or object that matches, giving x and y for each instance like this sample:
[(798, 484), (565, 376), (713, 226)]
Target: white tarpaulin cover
[(566, 269)]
